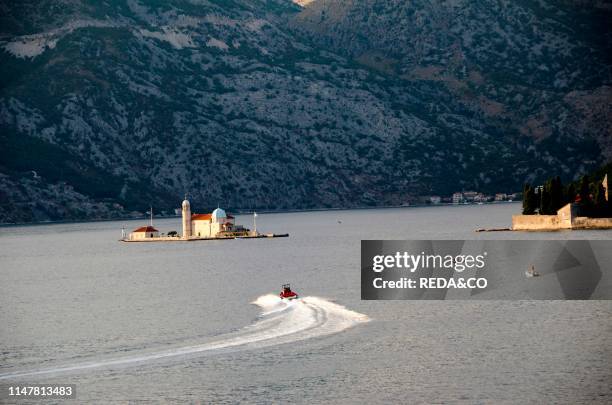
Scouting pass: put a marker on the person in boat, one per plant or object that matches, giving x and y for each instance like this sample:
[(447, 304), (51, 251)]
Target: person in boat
[(287, 293), (532, 272)]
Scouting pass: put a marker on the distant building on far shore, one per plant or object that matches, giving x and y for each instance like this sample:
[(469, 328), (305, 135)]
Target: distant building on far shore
[(435, 199), (480, 198), (501, 197), (457, 198), (470, 195)]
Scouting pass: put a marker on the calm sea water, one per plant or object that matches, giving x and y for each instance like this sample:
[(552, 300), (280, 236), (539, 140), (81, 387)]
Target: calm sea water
[(176, 321)]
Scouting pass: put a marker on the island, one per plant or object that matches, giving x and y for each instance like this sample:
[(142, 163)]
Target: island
[(579, 205), (213, 226)]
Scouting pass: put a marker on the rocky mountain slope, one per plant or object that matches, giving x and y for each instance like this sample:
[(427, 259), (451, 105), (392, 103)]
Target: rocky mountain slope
[(108, 107), (542, 67)]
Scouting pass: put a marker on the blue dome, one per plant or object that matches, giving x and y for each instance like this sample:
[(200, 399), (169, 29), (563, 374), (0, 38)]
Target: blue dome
[(218, 214)]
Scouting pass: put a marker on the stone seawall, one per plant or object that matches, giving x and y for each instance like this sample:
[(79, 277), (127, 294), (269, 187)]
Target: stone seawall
[(557, 222), (592, 223), (566, 218), (539, 223)]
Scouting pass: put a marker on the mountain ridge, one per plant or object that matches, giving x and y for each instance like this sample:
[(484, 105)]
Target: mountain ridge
[(121, 104)]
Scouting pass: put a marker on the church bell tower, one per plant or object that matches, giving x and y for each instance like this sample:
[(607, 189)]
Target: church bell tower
[(186, 219)]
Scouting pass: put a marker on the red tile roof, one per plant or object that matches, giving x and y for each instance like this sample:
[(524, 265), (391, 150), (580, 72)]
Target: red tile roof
[(201, 217), (205, 217), (145, 229)]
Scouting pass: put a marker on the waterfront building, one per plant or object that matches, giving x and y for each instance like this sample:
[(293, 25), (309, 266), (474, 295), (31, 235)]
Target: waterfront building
[(435, 199), (144, 232), (457, 198), (470, 195), (501, 197), (480, 198), (214, 225)]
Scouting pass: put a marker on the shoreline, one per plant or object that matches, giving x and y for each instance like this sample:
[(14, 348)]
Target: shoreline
[(242, 212), (196, 239)]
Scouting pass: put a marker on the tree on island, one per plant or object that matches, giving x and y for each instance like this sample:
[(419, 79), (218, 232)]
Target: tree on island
[(599, 200), (570, 194), (530, 201), (552, 196), (585, 191), (556, 195)]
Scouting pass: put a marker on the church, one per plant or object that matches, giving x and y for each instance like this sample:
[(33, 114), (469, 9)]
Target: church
[(217, 224)]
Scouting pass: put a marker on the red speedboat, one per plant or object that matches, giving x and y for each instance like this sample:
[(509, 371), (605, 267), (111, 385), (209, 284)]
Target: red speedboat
[(287, 294)]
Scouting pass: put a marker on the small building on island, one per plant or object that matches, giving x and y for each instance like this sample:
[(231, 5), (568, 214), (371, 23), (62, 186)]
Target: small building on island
[(144, 232)]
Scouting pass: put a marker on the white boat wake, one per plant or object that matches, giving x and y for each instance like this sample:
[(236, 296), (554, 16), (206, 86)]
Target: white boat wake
[(280, 322)]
